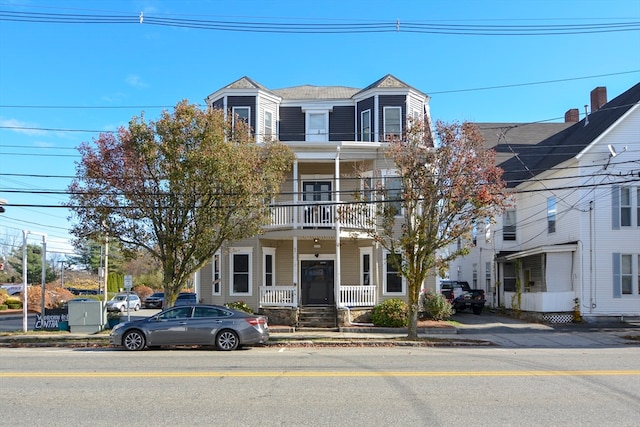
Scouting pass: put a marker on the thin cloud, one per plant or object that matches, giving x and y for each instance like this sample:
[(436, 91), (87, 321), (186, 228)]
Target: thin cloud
[(136, 81), (21, 127)]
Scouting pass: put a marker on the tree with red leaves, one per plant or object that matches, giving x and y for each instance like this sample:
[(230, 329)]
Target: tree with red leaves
[(447, 185)]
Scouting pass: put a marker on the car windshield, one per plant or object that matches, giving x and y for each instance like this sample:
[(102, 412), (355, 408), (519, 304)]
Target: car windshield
[(119, 298)]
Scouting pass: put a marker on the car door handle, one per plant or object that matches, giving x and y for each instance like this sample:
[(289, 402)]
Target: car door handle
[(183, 323)]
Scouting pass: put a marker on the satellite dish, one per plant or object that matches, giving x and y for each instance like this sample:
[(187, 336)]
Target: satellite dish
[(612, 150)]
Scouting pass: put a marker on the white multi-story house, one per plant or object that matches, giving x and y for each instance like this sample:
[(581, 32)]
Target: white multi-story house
[(571, 241), (315, 251)]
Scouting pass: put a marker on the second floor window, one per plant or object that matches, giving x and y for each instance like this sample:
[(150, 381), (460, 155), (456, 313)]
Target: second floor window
[(392, 123), (509, 225), (268, 125), (365, 123), (625, 207), (241, 113)]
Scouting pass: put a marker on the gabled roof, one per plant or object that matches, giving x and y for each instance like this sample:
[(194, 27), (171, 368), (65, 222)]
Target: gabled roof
[(246, 83), (569, 142)]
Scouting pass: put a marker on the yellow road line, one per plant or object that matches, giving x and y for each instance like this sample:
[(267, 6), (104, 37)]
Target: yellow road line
[(320, 374)]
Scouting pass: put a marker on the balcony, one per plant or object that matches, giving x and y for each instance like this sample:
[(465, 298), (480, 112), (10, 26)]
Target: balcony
[(355, 216)]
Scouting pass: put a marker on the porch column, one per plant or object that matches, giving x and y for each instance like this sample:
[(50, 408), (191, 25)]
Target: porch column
[(336, 179), (295, 194), (295, 267)]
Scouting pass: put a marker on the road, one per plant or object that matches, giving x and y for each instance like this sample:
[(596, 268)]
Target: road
[(311, 386)]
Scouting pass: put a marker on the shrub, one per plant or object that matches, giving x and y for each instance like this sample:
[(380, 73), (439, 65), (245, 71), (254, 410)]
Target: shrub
[(3, 307), (142, 291), (240, 305), (435, 306), (3, 296), (390, 313)]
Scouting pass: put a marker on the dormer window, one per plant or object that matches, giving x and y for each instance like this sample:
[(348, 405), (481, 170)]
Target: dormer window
[(392, 123)]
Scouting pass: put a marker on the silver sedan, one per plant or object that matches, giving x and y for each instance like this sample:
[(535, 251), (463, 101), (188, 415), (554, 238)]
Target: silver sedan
[(222, 327)]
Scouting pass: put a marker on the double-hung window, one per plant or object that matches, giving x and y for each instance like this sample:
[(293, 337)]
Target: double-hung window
[(240, 267), (394, 281), (365, 125), (269, 266), (625, 206), (215, 265), (268, 126), (241, 113), (392, 123), (509, 225)]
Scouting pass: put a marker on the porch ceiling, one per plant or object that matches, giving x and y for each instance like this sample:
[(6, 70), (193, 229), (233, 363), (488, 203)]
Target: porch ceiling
[(568, 247)]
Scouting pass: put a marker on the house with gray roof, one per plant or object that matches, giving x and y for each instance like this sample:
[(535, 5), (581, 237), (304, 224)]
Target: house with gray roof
[(314, 261), (570, 244)]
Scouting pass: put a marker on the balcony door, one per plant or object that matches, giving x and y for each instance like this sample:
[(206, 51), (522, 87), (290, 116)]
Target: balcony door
[(317, 209)]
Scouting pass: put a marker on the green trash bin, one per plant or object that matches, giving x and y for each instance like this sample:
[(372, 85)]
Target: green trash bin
[(63, 325)]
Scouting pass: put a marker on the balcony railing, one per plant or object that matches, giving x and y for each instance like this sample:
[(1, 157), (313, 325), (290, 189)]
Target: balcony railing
[(278, 296), (357, 216), (357, 296)]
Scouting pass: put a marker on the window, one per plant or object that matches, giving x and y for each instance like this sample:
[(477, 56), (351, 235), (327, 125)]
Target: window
[(365, 266), (365, 125), (551, 214), (268, 125), (625, 207), (509, 225), (240, 268), (317, 125), (487, 275), (392, 123), (638, 207), (474, 233), (474, 279), (394, 282), (215, 265), (626, 274), (269, 266), (487, 229), (241, 113), (393, 193)]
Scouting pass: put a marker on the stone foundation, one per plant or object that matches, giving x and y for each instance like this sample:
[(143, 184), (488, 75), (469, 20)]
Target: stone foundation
[(358, 315), (282, 316)]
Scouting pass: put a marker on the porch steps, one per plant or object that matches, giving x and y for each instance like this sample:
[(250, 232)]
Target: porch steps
[(318, 318)]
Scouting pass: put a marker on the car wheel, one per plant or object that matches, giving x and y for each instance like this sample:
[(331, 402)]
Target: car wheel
[(477, 310), (227, 340), (122, 309), (137, 307), (133, 340)]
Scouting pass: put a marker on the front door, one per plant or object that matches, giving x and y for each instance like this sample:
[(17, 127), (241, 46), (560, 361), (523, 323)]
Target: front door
[(317, 282)]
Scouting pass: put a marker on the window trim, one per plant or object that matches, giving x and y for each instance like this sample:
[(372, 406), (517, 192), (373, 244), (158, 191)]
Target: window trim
[(232, 253), (234, 114), (319, 137)]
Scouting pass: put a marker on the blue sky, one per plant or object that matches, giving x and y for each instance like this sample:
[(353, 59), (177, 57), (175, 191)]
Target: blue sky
[(130, 67)]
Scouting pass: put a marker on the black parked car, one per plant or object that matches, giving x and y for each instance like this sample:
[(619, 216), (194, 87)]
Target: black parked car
[(184, 298), (155, 300)]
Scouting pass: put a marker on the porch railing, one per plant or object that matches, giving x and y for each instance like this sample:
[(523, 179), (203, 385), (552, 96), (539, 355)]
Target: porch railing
[(357, 296), (323, 215), (278, 296)]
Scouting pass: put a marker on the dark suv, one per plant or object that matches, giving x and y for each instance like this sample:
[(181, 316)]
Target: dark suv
[(155, 300), (186, 298)]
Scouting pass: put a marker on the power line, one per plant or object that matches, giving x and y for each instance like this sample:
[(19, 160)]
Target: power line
[(380, 26)]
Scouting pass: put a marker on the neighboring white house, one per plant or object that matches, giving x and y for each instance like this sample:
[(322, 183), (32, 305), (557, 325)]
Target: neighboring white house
[(572, 239)]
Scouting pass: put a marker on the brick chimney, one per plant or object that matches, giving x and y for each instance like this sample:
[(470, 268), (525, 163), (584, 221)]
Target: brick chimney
[(598, 98), (572, 116)]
